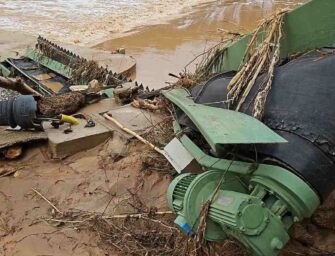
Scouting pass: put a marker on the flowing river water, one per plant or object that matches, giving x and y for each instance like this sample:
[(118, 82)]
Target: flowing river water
[(162, 35), (165, 48)]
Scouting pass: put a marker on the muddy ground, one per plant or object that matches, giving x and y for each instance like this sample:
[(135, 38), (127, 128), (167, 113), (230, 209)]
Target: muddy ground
[(111, 179), (94, 181)]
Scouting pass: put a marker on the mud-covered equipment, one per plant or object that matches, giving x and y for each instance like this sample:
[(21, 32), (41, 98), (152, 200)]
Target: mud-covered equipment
[(73, 61), (23, 112), (252, 201)]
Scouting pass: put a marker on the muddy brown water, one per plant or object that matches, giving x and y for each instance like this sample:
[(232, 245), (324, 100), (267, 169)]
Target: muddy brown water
[(166, 48)]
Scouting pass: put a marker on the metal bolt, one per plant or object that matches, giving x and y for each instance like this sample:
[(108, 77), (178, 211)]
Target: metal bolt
[(242, 229), (276, 244), (295, 219)]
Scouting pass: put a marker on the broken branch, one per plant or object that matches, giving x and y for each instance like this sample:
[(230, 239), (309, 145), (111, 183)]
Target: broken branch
[(17, 85), (45, 199), (140, 138)]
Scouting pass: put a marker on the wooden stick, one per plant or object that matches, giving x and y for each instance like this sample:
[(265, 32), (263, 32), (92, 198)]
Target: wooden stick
[(45, 199), (140, 138), (137, 215), (121, 216), (17, 85)]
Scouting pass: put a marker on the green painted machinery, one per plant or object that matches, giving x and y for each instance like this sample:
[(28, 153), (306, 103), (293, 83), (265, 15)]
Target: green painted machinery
[(255, 198), (252, 202), (257, 209)]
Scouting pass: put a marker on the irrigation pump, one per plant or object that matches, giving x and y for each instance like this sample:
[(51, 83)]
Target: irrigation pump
[(258, 212), (252, 198)]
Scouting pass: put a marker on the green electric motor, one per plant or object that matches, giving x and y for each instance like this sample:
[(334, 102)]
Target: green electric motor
[(253, 202), (257, 208)]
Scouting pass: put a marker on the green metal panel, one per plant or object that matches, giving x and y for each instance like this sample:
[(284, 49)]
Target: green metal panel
[(221, 126), (49, 63), (108, 92), (308, 27), (4, 71)]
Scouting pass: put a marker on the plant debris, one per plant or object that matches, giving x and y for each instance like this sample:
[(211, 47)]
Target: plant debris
[(259, 57), (67, 103)]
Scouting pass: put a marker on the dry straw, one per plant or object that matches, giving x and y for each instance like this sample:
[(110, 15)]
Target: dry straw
[(260, 56)]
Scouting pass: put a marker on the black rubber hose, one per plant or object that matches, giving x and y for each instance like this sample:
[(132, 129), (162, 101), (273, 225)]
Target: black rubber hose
[(18, 112)]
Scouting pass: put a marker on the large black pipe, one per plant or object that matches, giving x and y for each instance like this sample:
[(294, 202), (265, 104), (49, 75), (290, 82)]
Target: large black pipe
[(301, 108), (20, 111)]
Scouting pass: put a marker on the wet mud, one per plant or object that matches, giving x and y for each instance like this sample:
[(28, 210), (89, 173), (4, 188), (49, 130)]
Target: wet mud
[(93, 181)]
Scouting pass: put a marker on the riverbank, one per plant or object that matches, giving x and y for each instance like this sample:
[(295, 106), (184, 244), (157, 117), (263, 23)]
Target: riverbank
[(89, 22)]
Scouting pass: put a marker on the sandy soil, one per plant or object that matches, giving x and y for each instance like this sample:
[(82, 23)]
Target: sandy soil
[(88, 181), (12, 43)]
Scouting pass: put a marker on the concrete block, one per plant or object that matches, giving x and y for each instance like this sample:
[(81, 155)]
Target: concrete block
[(137, 120), (11, 137), (62, 145)]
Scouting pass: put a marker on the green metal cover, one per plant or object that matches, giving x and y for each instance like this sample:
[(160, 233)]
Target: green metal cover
[(4, 71), (308, 27), (221, 126)]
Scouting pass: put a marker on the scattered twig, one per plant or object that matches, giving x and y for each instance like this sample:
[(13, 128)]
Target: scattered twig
[(45, 199), (140, 138)]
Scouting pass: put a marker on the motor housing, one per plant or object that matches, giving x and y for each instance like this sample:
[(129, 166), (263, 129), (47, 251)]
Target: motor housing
[(257, 209)]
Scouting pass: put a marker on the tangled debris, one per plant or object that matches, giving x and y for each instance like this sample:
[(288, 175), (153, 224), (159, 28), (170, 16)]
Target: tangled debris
[(259, 57), (67, 103), (83, 71), (210, 62), (146, 233), (134, 234)]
